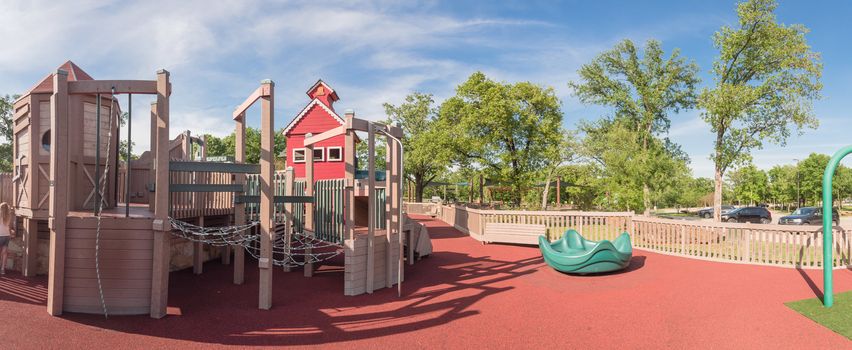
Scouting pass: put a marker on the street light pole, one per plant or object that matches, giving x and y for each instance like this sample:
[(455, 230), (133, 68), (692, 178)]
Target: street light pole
[(798, 186)]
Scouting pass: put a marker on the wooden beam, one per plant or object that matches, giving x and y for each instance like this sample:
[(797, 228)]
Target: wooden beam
[(289, 182), (357, 124), (390, 193), (59, 189), (30, 247), (152, 176), (309, 207), (267, 209), (349, 159), (239, 208), (371, 206), (161, 227), (241, 109), (198, 252), (325, 136), (149, 87)]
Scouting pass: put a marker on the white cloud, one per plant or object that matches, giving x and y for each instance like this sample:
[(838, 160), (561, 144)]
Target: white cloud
[(370, 51)]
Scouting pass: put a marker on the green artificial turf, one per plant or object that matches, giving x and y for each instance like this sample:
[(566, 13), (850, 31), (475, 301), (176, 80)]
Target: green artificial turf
[(838, 318)]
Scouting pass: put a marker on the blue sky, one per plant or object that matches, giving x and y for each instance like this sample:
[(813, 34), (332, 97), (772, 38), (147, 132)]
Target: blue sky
[(378, 51)]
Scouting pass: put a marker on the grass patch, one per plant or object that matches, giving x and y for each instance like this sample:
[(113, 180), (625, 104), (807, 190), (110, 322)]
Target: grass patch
[(838, 318)]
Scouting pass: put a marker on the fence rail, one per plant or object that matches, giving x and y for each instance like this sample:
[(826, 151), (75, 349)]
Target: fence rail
[(776, 245)]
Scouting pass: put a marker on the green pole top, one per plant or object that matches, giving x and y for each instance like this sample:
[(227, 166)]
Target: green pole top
[(827, 231)]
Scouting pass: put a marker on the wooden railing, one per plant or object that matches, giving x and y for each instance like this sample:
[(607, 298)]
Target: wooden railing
[(192, 204), (780, 245), (776, 245)]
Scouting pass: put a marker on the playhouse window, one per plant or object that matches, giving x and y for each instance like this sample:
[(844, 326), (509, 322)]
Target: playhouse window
[(45, 140), (319, 154), (335, 154), (298, 155)]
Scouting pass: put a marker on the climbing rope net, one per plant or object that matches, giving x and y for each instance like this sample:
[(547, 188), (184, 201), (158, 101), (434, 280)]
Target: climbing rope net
[(288, 250)]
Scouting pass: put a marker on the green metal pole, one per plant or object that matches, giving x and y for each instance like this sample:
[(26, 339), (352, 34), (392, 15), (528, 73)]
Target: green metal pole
[(827, 218)]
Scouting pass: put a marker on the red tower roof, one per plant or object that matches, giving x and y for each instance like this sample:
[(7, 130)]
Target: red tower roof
[(75, 73)]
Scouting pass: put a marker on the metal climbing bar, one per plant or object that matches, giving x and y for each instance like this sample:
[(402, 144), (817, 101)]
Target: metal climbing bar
[(827, 229)]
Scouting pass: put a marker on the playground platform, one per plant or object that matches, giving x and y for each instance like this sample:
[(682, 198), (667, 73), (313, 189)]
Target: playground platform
[(494, 296)]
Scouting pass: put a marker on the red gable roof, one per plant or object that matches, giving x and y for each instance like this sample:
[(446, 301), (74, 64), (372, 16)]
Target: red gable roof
[(75, 73)]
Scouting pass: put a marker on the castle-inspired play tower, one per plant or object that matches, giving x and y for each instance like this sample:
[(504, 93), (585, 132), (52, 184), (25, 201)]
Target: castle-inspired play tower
[(112, 231)]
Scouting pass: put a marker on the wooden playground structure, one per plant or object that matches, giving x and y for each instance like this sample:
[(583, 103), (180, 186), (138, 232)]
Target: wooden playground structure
[(112, 227)]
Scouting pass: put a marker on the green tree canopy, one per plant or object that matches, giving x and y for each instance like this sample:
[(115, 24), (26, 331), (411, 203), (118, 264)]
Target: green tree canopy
[(425, 157), (765, 79), (506, 130), (7, 127), (642, 88), (783, 180), (225, 146), (625, 166), (749, 184)]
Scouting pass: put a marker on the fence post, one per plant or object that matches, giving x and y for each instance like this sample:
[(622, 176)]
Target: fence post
[(682, 239)]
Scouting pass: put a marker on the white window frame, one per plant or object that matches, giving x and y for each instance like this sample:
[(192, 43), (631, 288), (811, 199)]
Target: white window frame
[(322, 154), (296, 159), (340, 154)]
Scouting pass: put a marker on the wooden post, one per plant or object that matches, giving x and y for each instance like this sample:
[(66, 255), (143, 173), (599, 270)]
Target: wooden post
[(309, 207), (240, 209), (267, 209), (197, 247), (59, 189), (161, 227), (390, 213), (152, 177), (30, 247), (289, 183), (349, 159), (371, 206)]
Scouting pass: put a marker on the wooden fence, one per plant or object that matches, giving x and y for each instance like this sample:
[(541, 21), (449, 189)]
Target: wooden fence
[(776, 245)]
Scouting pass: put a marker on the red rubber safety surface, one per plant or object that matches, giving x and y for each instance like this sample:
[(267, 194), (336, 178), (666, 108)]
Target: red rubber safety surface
[(464, 295)]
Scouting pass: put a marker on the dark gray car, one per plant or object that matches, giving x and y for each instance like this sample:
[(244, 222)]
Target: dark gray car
[(708, 212), (808, 216)]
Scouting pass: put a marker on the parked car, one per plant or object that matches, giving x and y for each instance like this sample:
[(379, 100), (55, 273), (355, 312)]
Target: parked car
[(756, 215), (708, 212), (808, 216)]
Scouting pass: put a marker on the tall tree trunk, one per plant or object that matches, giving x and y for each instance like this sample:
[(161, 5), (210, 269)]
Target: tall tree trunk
[(646, 191), (546, 193), (717, 196), (418, 189)]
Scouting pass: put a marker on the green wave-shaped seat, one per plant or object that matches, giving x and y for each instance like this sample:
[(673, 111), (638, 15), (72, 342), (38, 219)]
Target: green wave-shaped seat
[(574, 254)]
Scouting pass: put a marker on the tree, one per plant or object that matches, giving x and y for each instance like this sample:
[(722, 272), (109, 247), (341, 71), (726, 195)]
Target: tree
[(425, 159), (362, 153), (811, 170), (506, 130), (556, 156), (642, 90), (7, 128), (122, 150), (782, 184), (225, 146), (626, 168), (750, 184), (765, 79)]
